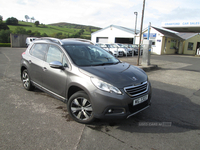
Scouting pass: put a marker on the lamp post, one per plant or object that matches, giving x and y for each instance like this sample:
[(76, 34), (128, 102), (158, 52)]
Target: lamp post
[(136, 13)]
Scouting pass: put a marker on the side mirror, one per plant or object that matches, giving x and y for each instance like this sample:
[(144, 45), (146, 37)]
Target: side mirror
[(56, 65)]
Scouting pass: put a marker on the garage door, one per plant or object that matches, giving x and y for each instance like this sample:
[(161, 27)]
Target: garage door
[(102, 40), (124, 40)]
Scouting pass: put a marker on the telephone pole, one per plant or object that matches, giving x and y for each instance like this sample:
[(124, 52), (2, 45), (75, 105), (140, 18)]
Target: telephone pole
[(140, 33)]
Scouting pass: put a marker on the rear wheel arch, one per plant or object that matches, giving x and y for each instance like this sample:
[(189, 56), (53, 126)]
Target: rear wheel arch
[(22, 69), (26, 80)]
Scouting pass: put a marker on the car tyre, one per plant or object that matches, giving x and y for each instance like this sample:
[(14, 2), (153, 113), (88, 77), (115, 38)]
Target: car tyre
[(80, 108), (26, 81)]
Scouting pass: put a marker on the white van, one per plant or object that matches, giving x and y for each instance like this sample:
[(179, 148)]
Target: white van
[(29, 40)]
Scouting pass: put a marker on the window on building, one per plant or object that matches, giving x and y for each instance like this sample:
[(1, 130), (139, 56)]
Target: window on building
[(173, 44), (153, 43), (190, 46)]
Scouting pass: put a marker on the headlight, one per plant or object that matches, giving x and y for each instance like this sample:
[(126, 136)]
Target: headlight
[(105, 86)]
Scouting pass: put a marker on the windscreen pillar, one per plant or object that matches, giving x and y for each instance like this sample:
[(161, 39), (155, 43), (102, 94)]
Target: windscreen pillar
[(146, 52)]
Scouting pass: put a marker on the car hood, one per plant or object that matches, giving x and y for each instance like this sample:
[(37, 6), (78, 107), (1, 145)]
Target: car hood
[(119, 75)]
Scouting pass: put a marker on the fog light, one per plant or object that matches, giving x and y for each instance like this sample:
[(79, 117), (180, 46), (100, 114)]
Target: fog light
[(110, 110)]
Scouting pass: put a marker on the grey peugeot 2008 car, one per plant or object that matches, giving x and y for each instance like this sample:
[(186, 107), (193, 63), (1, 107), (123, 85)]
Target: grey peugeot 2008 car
[(92, 82)]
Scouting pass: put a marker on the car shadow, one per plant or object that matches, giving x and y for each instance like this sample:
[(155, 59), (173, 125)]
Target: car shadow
[(170, 112)]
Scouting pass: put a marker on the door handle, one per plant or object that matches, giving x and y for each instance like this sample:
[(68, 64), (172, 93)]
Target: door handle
[(29, 61)]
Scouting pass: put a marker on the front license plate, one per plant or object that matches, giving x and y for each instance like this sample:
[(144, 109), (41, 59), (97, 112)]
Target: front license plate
[(140, 100)]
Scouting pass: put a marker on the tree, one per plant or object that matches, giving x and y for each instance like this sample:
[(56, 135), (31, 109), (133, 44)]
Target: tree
[(5, 36), (32, 18), (29, 32), (27, 17), (44, 35), (19, 30), (81, 31), (1, 18), (12, 21), (3, 26), (37, 23), (36, 33)]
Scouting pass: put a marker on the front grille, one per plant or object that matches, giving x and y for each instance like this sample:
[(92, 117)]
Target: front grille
[(137, 89)]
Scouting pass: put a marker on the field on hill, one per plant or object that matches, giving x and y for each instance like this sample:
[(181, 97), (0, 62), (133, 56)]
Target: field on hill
[(52, 29)]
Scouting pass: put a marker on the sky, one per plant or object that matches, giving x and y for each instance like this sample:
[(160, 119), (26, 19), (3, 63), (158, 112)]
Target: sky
[(102, 13)]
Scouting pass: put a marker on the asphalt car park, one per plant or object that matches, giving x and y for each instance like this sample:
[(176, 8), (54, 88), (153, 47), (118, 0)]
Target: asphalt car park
[(35, 120)]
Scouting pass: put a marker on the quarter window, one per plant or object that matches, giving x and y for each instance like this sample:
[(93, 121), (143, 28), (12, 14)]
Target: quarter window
[(65, 62), (39, 50), (54, 54)]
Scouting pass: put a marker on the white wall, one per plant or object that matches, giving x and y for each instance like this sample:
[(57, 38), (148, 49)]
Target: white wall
[(111, 33), (156, 49)]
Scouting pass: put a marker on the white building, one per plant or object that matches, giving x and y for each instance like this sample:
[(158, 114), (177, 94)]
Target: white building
[(163, 41), (113, 34)]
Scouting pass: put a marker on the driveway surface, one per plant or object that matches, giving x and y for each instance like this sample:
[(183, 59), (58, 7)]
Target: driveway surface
[(35, 120)]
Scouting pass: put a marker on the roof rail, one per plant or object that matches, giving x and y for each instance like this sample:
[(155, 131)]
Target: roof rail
[(81, 40), (50, 39)]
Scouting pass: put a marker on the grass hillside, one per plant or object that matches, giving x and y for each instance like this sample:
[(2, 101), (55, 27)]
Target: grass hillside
[(64, 28)]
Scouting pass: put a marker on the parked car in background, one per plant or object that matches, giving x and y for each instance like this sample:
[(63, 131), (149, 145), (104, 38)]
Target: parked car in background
[(135, 48), (115, 50), (92, 82), (103, 46), (126, 51), (29, 40)]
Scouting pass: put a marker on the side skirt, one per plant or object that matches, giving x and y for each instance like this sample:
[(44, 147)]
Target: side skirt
[(50, 92)]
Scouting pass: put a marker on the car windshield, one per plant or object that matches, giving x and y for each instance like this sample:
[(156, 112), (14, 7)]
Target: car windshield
[(89, 55), (121, 45), (126, 45), (113, 45), (130, 45), (110, 46), (135, 46)]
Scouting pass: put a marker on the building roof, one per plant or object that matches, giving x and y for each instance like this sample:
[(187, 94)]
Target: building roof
[(120, 28), (169, 34), (186, 36)]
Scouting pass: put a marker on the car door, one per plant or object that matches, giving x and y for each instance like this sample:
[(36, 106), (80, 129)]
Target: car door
[(36, 62), (54, 79)]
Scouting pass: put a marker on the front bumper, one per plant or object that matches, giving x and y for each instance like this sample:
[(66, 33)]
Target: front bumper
[(113, 106)]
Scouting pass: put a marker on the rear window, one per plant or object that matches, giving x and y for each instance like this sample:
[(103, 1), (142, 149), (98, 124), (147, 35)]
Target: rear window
[(39, 50)]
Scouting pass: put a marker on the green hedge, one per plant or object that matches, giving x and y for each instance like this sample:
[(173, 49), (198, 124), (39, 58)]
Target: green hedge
[(5, 45)]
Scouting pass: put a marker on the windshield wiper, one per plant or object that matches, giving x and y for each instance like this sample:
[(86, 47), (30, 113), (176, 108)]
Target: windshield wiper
[(103, 64)]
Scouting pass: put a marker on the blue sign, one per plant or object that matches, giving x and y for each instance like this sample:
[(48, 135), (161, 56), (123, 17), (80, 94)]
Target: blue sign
[(151, 35)]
